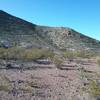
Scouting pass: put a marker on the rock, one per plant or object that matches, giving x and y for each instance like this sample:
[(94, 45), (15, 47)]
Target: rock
[(97, 97), (12, 66), (5, 44), (43, 61)]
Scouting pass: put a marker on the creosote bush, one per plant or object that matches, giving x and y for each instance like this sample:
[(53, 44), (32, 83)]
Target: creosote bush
[(85, 54), (4, 88), (98, 61), (81, 54), (58, 60), (25, 54), (94, 88), (69, 54)]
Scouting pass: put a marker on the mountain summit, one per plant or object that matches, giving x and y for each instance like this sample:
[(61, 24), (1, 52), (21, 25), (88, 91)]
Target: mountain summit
[(18, 32)]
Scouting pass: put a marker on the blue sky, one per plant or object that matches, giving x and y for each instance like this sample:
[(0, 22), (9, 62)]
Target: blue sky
[(81, 15)]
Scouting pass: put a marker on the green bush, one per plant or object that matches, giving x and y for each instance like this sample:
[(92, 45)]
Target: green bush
[(98, 61), (84, 54), (26, 89), (4, 88), (69, 54), (57, 60), (80, 53), (94, 88), (25, 54)]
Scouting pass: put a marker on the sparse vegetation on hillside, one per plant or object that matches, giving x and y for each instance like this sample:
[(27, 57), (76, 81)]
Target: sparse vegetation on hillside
[(16, 31), (94, 88), (81, 53), (4, 88), (98, 61), (58, 60), (25, 54), (69, 54), (85, 54)]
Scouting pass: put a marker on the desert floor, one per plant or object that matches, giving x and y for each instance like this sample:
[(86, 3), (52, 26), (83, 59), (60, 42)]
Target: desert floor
[(69, 81)]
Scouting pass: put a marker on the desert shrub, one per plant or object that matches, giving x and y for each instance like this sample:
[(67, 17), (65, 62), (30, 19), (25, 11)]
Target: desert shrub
[(69, 54), (80, 53), (46, 53), (11, 53), (4, 88), (34, 54), (25, 54), (84, 54), (4, 83), (98, 61), (57, 60), (26, 89), (29, 55), (3, 53), (94, 88)]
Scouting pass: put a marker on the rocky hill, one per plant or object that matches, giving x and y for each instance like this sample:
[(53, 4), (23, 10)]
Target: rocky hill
[(18, 32), (37, 73)]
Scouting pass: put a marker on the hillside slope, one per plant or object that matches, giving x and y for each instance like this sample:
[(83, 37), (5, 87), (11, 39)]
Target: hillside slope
[(17, 32)]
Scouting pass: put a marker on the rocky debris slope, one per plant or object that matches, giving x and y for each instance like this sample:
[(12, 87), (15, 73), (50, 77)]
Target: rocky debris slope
[(50, 83)]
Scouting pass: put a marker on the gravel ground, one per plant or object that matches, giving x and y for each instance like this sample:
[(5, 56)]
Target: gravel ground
[(45, 83)]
